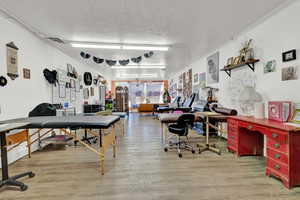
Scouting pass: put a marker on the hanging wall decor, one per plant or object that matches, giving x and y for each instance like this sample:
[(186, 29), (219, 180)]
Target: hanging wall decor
[(270, 66), (289, 73), (26, 73), (202, 80), (124, 62), (213, 68), (12, 60), (98, 60), (3, 81), (137, 59), (110, 62), (289, 55), (85, 55)]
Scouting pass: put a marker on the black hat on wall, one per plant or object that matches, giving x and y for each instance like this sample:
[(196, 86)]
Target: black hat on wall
[(3, 81), (88, 78), (51, 76)]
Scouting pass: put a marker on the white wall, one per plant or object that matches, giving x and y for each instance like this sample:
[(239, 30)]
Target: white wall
[(277, 34), (20, 96)]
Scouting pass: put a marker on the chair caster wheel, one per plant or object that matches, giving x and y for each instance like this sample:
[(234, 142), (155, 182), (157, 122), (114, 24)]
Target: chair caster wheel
[(193, 151), (166, 149), (31, 175), (180, 155), (24, 188)]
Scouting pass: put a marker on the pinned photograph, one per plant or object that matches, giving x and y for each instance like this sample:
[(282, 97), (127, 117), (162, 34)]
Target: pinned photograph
[(289, 73), (270, 66)]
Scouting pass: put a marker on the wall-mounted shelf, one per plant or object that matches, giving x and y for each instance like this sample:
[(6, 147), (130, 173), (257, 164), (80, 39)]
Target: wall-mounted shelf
[(250, 64)]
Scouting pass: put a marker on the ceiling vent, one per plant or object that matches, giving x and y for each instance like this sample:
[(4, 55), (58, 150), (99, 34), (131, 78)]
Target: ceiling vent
[(56, 39)]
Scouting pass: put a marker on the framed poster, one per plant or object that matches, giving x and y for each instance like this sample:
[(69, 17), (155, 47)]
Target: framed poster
[(213, 68), (77, 86), (26, 73), (62, 90)]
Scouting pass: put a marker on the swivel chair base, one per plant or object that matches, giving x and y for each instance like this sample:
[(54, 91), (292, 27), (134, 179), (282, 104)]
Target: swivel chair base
[(179, 146), (12, 181)]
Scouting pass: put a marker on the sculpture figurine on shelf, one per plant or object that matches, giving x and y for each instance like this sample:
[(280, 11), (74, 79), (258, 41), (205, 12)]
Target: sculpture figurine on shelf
[(246, 52)]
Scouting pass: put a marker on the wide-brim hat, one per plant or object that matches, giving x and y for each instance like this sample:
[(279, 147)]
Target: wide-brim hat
[(51, 76), (3, 81)]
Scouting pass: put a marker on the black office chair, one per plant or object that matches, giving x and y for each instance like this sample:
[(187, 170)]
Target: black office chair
[(181, 129)]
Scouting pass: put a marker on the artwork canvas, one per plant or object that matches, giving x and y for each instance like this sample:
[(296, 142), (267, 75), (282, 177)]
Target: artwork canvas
[(190, 82), (289, 73), (85, 93), (196, 78), (202, 80), (92, 91), (26, 73), (213, 68), (289, 55), (270, 66)]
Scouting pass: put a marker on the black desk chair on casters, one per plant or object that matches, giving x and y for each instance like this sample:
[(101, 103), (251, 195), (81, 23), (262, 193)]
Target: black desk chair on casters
[(181, 129)]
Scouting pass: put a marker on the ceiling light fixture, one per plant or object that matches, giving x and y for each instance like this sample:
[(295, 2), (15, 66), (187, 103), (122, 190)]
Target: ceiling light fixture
[(139, 67), (147, 48), (137, 75), (96, 46), (119, 46)]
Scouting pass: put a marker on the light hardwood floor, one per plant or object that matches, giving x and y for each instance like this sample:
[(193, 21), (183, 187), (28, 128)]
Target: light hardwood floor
[(142, 171)]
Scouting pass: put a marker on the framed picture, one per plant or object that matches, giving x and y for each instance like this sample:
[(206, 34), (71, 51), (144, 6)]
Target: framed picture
[(296, 116), (202, 80), (230, 61), (92, 91), (237, 60), (72, 83), (270, 66), (196, 78), (62, 90), (289, 73), (26, 73), (85, 93), (213, 68), (289, 55)]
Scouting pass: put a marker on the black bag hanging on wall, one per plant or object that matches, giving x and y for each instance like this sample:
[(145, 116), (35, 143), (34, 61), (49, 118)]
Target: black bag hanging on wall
[(43, 109)]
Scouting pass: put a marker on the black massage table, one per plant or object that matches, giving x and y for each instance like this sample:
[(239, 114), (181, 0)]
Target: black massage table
[(62, 123)]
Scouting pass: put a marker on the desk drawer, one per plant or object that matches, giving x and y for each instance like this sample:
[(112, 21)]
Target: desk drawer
[(277, 135), (278, 167), (253, 127), (277, 156), (273, 144)]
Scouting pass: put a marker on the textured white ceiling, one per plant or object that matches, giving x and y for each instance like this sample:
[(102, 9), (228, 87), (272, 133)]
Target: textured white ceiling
[(191, 27)]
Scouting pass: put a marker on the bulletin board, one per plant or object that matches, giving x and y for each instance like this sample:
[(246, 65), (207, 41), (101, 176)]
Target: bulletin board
[(62, 94)]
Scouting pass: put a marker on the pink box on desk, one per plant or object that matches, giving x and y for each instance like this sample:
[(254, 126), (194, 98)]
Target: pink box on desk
[(280, 110)]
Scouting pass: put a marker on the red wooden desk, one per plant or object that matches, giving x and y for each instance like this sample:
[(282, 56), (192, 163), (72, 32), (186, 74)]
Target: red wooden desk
[(245, 138)]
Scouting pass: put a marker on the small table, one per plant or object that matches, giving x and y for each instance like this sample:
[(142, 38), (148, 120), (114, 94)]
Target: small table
[(207, 146), (6, 180)]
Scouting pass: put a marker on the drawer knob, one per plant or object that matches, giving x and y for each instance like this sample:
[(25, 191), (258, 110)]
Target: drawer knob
[(277, 167), (274, 135), (277, 156), (250, 127), (277, 146)]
